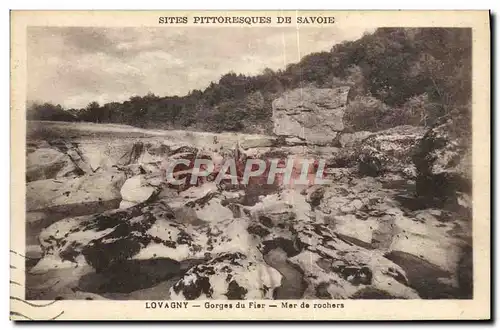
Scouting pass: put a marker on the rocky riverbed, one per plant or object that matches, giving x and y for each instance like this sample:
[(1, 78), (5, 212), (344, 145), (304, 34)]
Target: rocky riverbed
[(103, 223)]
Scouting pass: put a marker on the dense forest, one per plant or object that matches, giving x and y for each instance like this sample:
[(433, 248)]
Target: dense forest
[(398, 76)]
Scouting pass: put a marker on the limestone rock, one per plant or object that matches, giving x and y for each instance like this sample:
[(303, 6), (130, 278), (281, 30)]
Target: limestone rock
[(425, 242), (336, 269), (50, 200), (99, 187), (144, 231), (444, 163), (294, 141), (104, 239), (110, 153), (438, 240), (106, 154), (355, 229), (257, 142), (313, 114), (389, 151), (77, 159), (281, 208), (232, 276), (46, 163), (357, 237), (347, 140), (137, 189), (126, 204)]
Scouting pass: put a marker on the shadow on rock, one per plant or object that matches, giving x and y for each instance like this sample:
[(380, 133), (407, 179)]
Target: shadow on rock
[(424, 277), (130, 275)]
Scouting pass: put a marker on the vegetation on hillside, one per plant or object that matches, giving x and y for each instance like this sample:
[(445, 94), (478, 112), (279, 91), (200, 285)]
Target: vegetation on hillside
[(398, 76), (48, 111)]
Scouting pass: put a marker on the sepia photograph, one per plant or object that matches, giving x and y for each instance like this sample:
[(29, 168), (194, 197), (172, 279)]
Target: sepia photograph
[(247, 161)]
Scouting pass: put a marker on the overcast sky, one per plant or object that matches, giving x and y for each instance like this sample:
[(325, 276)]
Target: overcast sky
[(74, 66)]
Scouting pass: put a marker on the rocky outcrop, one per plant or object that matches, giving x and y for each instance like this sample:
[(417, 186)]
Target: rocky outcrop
[(232, 276), (444, 164), (312, 114), (146, 230), (47, 163), (257, 142), (90, 155), (108, 154), (348, 140), (378, 215), (365, 235), (50, 200), (336, 269), (389, 151), (377, 153), (136, 190), (231, 252), (52, 194), (319, 255)]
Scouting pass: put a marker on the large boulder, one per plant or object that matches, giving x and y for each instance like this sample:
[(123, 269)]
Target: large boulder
[(147, 230), (233, 276), (433, 235), (428, 243), (389, 151), (50, 200), (136, 190), (98, 187), (287, 205), (313, 114), (330, 266), (91, 155), (47, 163), (199, 204), (99, 154), (444, 163), (378, 153), (336, 269), (102, 240)]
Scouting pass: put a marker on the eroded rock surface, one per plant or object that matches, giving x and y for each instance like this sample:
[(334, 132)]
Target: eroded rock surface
[(50, 200), (47, 163), (104, 224), (315, 115), (444, 164), (136, 190)]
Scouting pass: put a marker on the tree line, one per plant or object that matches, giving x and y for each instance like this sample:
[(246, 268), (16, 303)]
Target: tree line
[(398, 76)]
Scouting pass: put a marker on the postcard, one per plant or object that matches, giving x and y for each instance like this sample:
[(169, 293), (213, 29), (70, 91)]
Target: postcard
[(250, 165)]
